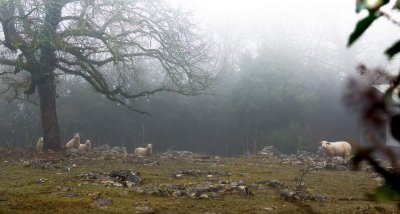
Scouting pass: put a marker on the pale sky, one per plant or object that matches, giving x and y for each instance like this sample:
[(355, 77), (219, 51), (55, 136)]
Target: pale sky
[(265, 20)]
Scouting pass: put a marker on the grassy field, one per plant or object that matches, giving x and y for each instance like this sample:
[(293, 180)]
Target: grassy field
[(24, 189)]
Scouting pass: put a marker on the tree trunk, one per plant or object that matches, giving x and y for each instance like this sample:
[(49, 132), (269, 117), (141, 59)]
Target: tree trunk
[(45, 84), (51, 132)]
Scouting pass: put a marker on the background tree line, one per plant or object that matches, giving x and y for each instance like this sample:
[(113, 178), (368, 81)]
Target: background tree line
[(260, 99)]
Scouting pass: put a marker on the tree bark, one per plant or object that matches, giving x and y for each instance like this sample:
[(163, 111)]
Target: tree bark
[(47, 95), (45, 84)]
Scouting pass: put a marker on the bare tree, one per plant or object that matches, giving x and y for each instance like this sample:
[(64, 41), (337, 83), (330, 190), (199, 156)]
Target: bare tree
[(108, 43)]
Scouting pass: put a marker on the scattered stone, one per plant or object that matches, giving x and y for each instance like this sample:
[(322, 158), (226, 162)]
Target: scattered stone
[(214, 195), (262, 185), (117, 178), (171, 154), (241, 183), (142, 161), (126, 176), (245, 190), (197, 190), (247, 154), (269, 152), (88, 176), (43, 180), (105, 152), (46, 164), (243, 174), (301, 196), (102, 148), (177, 193), (101, 202), (203, 196), (276, 184), (130, 184), (315, 161), (189, 156), (199, 173), (144, 210), (268, 208), (72, 152), (26, 163), (320, 198), (124, 193), (63, 189), (138, 190), (118, 151)]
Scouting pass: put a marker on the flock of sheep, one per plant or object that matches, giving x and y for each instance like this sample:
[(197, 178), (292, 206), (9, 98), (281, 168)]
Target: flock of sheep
[(330, 149), (75, 143)]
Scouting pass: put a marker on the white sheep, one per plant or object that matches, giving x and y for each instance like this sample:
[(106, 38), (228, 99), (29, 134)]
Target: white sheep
[(340, 148), (39, 145), (86, 147), (74, 142), (144, 152)]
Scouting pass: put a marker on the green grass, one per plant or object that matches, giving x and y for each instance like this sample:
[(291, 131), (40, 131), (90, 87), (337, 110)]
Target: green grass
[(22, 192)]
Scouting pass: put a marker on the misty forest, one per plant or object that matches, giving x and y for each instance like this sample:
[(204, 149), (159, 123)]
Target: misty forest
[(199, 106)]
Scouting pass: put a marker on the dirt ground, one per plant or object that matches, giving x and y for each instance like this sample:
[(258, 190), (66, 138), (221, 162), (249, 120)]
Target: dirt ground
[(190, 183)]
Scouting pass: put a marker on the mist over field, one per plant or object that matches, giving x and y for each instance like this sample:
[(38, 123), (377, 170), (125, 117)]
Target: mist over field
[(282, 69), (199, 106)]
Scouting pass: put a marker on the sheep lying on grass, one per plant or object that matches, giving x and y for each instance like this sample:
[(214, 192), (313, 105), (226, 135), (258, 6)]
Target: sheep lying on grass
[(86, 147), (39, 145), (74, 142), (144, 152), (340, 148)]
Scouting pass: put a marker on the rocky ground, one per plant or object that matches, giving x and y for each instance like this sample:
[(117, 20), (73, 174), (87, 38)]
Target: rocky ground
[(109, 180)]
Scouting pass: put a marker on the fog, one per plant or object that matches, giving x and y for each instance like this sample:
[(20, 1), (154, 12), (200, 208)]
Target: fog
[(282, 83)]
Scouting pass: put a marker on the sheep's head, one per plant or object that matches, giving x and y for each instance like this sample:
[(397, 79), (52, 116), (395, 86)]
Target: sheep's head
[(88, 144), (76, 136), (149, 149), (40, 139), (324, 143)]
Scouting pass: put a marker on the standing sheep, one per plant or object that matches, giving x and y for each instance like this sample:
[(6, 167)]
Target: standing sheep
[(340, 148), (39, 145), (86, 147), (74, 142), (144, 152)]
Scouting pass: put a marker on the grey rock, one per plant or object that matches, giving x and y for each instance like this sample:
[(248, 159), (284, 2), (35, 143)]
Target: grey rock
[(243, 174), (189, 156), (102, 148), (117, 178), (276, 184), (320, 198), (126, 176), (301, 196), (46, 164), (144, 210), (72, 152), (241, 183), (118, 151), (200, 173), (197, 190), (270, 152), (100, 202), (214, 195), (178, 193)]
